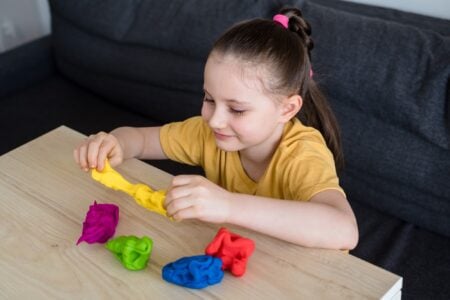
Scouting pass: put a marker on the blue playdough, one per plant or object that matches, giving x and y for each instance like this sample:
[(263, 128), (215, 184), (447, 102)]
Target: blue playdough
[(194, 272)]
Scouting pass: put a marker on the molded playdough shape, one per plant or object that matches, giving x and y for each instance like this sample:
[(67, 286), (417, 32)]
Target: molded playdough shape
[(100, 223), (233, 249), (132, 251), (194, 272), (143, 194)]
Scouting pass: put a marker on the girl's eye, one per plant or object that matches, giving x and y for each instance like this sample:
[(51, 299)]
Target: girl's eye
[(208, 100), (237, 112), (232, 110)]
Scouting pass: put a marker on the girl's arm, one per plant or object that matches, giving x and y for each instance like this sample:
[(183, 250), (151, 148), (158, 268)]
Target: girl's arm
[(326, 221), (140, 142)]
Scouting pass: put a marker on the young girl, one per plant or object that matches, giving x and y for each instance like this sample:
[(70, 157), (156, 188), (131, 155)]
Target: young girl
[(265, 169)]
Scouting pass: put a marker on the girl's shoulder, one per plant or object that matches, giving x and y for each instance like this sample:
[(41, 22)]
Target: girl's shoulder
[(305, 163), (302, 143), (296, 134)]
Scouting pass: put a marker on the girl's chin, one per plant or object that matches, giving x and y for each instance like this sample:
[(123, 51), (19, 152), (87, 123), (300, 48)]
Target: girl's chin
[(228, 147)]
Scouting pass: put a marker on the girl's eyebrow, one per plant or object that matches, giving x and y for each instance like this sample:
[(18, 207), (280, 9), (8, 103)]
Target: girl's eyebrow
[(227, 100)]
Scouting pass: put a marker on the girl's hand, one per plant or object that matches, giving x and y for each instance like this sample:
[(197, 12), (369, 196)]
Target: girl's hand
[(96, 148), (195, 197)]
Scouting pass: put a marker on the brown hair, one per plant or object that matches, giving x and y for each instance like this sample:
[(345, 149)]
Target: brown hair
[(286, 53)]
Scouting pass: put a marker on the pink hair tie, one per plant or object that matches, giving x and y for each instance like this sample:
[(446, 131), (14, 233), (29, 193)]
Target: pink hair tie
[(311, 73), (282, 19)]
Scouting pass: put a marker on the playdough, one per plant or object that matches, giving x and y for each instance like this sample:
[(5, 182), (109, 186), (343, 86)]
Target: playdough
[(100, 223), (132, 251), (194, 272), (143, 194), (233, 249)]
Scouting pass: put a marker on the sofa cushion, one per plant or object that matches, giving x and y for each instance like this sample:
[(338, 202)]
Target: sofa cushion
[(149, 55), (53, 102), (23, 66), (420, 256), (388, 84)]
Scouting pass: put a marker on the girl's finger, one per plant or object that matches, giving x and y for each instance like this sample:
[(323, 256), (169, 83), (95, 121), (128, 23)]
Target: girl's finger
[(92, 154), (187, 213), (177, 205), (104, 149), (175, 193), (179, 191), (114, 160)]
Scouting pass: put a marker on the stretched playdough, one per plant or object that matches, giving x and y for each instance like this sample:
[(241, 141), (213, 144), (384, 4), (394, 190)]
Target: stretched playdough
[(143, 194)]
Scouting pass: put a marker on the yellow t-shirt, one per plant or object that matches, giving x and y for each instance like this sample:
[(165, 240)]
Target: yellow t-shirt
[(301, 166)]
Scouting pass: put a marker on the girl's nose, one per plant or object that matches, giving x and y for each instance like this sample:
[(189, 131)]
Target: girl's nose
[(218, 120)]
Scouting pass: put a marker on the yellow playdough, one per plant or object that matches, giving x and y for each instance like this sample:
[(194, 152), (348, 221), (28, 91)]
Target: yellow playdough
[(143, 194)]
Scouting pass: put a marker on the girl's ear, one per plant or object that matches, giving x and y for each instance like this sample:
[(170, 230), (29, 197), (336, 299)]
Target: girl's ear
[(290, 107)]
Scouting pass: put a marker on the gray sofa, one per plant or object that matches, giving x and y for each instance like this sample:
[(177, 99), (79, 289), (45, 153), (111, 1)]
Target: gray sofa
[(386, 74)]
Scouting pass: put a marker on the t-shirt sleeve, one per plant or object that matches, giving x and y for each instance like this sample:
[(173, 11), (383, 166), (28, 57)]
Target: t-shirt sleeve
[(184, 141), (313, 173)]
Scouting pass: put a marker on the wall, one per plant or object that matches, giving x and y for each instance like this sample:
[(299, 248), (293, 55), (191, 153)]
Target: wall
[(435, 8), (22, 21)]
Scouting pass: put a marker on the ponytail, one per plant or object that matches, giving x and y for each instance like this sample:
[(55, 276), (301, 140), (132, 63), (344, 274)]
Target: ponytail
[(317, 113)]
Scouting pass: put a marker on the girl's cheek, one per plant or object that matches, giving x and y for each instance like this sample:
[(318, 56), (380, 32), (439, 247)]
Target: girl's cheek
[(243, 127)]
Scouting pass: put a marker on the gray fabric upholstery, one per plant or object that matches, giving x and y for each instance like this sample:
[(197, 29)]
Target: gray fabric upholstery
[(389, 86)]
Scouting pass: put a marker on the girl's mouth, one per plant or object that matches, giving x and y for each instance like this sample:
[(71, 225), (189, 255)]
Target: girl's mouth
[(221, 136)]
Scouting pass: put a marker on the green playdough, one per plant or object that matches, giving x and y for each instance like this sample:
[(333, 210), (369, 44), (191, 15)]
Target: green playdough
[(132, 251)]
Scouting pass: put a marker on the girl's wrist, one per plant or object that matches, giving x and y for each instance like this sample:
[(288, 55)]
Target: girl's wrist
[(120, 134), (232, 209)]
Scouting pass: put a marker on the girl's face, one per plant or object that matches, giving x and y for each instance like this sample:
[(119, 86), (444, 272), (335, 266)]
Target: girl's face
[(241, 115)]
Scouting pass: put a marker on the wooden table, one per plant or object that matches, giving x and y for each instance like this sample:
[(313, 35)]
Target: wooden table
[(44, 199)]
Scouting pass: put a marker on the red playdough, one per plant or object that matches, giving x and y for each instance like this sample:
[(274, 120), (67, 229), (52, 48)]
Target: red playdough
[(233, 249)]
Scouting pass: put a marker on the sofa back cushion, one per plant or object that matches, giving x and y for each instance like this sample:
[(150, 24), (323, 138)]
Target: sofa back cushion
[(388, 84), (145, 55)]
